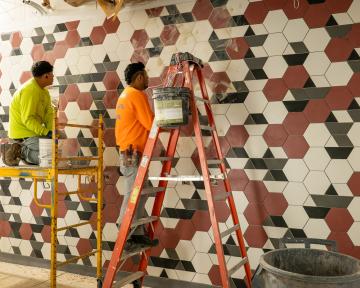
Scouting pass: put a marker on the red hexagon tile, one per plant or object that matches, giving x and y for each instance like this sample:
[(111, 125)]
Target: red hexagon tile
[(72, 38), (275, 89), (353, 85), (275, 4), (275, 135), (339, 220), (201, 220), (186, 229), (354, 35), (238, 179), (295, 77), (110, 99), (202, 9), (237, 136), (256, 12), (317, 15), (16, 39), (25, 231), (256, 191), (343, 242), (219, 18), (338, 49), (336, 6), (169, 238), (255, 236), (37, 52), (295, 123), (72, 25), (169, 35), (25, 76), (84, 100), (354, 183), (139, 39), (5, 228), (339, 98), (111, 24), (295, 146), (72, 92), (237, 48), (46, 233), (293, 12), (97, 35), (111, 80), (317, 111), (84, 246), (275, 204), (219, 82)]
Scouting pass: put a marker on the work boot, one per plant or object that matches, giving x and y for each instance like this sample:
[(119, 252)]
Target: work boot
[(11, 155), (144, 240)]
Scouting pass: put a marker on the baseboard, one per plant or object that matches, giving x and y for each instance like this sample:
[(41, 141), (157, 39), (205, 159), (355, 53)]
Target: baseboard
[(149, 281)]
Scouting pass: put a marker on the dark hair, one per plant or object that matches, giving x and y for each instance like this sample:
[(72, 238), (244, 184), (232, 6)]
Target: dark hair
[(132, 69), (40, 68)]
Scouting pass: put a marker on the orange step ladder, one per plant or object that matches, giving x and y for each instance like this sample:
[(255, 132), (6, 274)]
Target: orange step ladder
[(182, 70)]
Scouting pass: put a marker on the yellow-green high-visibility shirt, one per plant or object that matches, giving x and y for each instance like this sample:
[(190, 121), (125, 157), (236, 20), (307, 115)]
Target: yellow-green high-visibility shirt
[(30, 112)]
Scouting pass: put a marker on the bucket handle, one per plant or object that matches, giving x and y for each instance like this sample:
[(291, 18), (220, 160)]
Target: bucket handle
[(307, 242)]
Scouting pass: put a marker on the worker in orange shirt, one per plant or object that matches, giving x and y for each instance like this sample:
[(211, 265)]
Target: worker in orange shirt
[(133, 122)]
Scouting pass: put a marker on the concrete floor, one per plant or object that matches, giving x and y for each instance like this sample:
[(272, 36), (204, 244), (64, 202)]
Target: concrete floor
[(14, 275)]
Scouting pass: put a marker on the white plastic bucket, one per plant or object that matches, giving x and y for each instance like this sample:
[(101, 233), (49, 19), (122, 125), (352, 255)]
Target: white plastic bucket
[(45, 152)]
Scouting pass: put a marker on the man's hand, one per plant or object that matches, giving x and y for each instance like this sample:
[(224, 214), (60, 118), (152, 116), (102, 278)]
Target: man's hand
[(49, 135)]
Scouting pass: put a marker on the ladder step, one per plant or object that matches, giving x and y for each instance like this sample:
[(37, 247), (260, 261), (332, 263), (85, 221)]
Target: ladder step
[(187, 178), (201, 99), (135, 251), (143, 221), (205, 127), (151, 191), (162, 158), (229, 231), (214, 161), (222, 196), (129, 279), (237, 266)]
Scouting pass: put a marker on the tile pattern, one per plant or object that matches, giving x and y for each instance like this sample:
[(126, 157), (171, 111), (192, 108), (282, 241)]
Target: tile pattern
[(284, 84)]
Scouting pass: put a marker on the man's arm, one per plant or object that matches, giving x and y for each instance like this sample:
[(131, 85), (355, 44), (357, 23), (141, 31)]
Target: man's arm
[(49, 114), (28, 106), (144, 113)]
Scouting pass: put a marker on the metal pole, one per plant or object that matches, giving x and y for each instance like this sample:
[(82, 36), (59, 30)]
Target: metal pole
[(54, 201), (100, 199)]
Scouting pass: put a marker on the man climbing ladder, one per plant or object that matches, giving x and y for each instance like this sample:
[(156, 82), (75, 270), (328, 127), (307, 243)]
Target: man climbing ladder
[(182, 70)]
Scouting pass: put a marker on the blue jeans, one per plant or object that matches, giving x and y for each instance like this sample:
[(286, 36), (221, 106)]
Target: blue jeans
[(130, 174), (30, 150)]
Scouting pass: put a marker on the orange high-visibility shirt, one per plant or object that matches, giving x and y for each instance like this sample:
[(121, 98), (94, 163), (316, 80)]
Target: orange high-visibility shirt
[(133, 119)]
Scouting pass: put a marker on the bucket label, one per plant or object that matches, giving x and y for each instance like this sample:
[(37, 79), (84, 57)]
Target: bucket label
[(169, 111), (134, 195)]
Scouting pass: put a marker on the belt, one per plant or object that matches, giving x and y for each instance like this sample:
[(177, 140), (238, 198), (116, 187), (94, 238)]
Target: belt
[(21, 139)]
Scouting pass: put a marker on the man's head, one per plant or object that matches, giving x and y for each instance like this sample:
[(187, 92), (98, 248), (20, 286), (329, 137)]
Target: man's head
[(136, 76), (43, 73)]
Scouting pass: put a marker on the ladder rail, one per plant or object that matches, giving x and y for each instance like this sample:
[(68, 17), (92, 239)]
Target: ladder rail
[(189, 70), (227, 184), (130, 211)]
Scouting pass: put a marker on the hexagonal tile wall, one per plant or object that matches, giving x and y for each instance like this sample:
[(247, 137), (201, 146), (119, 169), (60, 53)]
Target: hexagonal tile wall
[(285, 85)]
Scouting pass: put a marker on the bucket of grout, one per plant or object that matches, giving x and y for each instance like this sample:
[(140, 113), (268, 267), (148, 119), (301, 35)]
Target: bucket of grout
[(171, 106), (45, 152)]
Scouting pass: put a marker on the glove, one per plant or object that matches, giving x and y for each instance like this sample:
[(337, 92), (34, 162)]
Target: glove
[(49, 135)]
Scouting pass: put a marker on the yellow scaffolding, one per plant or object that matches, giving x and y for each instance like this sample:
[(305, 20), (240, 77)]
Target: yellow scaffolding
[(51, 174)]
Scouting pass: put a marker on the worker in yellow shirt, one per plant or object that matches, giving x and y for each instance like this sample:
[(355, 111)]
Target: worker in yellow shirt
[(133, 122), (31, 115)]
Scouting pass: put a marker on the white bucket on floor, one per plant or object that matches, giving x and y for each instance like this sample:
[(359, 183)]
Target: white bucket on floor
[(45, 152)]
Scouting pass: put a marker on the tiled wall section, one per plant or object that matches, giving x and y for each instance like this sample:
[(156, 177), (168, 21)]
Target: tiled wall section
[(285, 87)]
